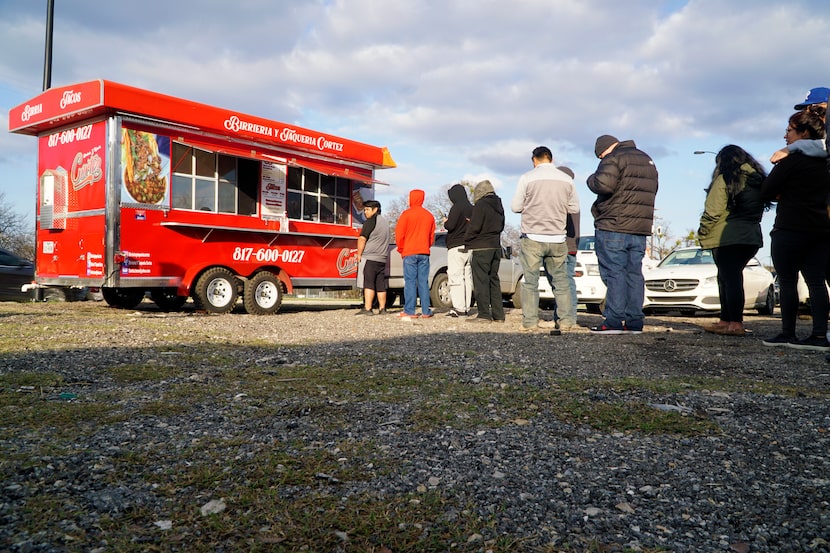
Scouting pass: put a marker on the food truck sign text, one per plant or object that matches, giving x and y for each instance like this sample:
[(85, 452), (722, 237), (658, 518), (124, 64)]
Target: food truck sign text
[(285, 134)]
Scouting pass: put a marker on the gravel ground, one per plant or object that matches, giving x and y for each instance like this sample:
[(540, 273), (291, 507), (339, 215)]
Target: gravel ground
[(760, 483)]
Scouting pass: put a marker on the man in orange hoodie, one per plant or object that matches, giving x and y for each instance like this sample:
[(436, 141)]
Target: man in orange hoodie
[(415, 234)]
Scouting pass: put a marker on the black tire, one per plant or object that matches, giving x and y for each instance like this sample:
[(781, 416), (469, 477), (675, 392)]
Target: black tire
[(439, 293), (216, 291), (769, 303), (547, 305), (594, 308), (262, 294), (516, 298), (54, 295), (390, 298), (166, 299), (123, 298)]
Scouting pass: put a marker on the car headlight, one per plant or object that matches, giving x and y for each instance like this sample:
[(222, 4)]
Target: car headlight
[(711, 281)]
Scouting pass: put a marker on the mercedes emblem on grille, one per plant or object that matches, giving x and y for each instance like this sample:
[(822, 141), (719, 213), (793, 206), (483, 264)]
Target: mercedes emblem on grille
[(669, 285)]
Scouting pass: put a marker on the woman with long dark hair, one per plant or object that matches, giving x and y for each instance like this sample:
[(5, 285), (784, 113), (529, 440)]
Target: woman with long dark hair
[(731, 227), (801, 233)]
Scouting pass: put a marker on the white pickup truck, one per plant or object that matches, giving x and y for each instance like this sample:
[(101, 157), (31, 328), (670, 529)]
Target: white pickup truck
[(510, 273)]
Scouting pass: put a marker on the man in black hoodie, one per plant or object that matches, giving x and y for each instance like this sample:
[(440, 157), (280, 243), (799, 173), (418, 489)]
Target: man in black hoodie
[(459, 270), (483, 237)]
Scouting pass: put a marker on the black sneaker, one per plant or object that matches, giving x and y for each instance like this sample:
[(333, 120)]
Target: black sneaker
[(382, 312), (365, 312), (453, 313), (780, 341), (815, 343)]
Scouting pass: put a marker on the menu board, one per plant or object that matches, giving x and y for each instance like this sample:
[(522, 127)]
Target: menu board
[(272, 189)]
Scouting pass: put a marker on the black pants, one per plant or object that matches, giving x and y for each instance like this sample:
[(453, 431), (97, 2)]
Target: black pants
[(798, 251), (730, 261), (486, 283)]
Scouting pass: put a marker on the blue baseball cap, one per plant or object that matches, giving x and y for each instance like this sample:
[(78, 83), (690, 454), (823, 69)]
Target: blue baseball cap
[(815, 96)]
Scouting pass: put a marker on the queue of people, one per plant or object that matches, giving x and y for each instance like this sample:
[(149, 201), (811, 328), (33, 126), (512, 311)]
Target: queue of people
[(626, 183), (799, 184)]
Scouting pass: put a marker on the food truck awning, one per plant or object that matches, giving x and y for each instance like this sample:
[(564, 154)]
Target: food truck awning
[(344, 173), (61, 106)]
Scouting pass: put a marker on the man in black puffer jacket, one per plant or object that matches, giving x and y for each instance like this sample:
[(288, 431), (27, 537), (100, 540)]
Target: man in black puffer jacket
[(626, 185)]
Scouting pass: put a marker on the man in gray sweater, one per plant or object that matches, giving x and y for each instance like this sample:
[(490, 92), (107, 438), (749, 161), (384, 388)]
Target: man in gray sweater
[(545, 196)]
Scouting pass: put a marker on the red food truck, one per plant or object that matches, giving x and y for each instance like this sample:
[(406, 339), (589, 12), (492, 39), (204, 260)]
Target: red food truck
[(140, 192)]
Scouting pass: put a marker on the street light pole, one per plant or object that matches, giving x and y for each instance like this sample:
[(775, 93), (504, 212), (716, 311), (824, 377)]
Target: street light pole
[(47, 61)]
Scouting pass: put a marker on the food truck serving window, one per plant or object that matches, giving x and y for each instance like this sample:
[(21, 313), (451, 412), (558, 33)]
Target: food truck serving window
[(206, 181), (316, 197)]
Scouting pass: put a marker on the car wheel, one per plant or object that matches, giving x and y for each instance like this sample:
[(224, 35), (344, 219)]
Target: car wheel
[(439, 293), (262, 294), (769, 303), (216, 291), (123, 298)]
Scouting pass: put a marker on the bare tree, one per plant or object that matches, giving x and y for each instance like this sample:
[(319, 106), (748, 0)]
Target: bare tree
[(16, 232)]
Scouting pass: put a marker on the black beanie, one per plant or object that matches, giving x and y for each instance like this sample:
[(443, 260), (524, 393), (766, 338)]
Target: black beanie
[(603, 143)]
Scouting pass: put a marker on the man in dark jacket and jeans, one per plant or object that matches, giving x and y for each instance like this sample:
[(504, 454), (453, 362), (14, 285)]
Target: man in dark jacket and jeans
[(625, 184), (483, 237)]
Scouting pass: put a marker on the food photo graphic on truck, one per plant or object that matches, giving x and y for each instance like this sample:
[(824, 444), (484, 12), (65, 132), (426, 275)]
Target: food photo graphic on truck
[(140, 193)]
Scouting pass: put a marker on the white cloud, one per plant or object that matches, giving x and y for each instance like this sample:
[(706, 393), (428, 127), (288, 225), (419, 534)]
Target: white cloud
[(456, 88)]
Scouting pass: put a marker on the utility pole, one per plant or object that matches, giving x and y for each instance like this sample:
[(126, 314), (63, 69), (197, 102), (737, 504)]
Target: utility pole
[(47, 61)]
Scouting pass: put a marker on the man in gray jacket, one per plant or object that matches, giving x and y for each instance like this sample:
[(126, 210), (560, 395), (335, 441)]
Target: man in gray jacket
[(545, 196), (626, 185)]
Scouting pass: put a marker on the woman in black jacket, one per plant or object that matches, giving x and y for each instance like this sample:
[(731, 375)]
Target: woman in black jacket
[(483, 238), (801, 233)]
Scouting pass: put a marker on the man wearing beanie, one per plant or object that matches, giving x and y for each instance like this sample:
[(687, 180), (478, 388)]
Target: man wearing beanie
[(625, 184), (545, 196), (483, 239)]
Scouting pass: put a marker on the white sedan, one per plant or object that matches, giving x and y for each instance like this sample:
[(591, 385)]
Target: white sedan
[(687, 280)]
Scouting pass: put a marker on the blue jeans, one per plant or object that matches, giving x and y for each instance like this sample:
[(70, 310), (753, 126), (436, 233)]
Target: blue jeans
[(620, 259), (571, 266), (554, 256), (416, 283)]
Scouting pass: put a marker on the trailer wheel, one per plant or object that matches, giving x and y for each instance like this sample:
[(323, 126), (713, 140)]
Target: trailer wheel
[(166, 299), (262, 294), (123, 298), (439, 293), (215, 291)]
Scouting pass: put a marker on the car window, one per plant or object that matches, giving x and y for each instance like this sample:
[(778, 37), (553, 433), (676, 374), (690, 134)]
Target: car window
[(688, 257)]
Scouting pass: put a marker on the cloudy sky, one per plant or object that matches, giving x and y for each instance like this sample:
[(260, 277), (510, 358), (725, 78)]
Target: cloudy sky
[(456, 89)]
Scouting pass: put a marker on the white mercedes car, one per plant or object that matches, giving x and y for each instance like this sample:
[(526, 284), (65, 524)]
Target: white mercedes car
[(686, 280)]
